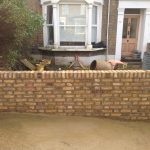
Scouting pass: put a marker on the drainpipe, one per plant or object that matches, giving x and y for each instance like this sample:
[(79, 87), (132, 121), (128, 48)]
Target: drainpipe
[(108, 21)]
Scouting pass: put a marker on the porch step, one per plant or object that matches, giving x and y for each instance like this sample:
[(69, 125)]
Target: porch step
[(133, 64), (131, 59)]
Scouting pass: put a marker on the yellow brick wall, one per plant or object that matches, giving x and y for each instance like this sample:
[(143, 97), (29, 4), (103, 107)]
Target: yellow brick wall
[(111, 94)]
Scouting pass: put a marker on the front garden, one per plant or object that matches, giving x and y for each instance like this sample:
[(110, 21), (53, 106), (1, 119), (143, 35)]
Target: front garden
[(20, 24)]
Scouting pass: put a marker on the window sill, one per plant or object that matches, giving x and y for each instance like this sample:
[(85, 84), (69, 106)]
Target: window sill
[(70, 49)]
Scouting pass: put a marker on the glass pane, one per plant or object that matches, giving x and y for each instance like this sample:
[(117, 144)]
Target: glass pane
[(50, 35), (72, 34), (72, 14), (132, 11), (50, 15), (94, 15), (125, 28), (133, 28), (94, 34)]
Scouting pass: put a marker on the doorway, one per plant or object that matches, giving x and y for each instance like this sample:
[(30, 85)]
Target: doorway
[(130, 34)]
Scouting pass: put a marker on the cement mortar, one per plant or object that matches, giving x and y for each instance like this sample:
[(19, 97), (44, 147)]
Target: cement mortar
[(43, 132)]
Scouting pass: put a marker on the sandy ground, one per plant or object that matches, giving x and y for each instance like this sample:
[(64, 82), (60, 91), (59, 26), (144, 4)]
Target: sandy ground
[(43, 132)]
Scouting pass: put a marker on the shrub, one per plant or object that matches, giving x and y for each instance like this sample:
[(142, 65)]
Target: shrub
[(18, 24), (12, 58)]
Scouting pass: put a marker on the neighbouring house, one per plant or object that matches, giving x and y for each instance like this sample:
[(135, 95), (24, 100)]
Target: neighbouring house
[(71, 27)]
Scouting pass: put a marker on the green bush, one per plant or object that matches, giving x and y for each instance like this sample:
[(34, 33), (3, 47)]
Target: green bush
[(18, 24), (12, 58)]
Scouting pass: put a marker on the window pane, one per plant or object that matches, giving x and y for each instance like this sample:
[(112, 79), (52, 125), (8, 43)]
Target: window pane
[(50, 15), (72, 34), (133, 28), (94, 34), (125, 28), (94, 15), (50, 35), (72, 14)]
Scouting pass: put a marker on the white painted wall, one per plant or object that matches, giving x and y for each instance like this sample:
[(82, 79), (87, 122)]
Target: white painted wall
[(140, 34), (119, 33), (140, 44), (134, 4), (146, 31)]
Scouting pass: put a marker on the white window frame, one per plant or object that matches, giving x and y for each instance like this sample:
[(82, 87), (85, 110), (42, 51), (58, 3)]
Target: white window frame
[(50, 25), (88, 37), (95, 25), (74, 3), (99, 22)]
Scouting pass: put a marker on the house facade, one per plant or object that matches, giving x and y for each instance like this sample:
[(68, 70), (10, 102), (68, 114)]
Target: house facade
[(72, 26)]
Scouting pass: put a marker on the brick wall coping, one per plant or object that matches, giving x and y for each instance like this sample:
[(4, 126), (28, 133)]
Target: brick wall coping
[(75, 74)]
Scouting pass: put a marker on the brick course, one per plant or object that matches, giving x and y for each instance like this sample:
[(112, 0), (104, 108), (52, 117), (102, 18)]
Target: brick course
[(111, 94)]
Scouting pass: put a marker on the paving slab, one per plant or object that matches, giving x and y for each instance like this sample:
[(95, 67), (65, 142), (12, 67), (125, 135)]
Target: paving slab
[(44, 132)]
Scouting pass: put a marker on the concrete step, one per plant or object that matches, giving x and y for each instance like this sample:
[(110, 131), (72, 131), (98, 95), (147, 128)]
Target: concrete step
[(133, 64), (134, 67), (131, 59)]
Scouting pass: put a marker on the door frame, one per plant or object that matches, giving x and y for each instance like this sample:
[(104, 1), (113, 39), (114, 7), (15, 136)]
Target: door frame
[(138, 16), (144, 38)]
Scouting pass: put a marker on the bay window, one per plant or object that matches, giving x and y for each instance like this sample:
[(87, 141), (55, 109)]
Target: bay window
[(71, 24)]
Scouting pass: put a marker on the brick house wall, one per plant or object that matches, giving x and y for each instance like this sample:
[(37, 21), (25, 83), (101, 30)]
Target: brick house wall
[(111, 94), (112, 24), (35, 6)]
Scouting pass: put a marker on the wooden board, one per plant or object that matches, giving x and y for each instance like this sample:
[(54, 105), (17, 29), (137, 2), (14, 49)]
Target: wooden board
[(28, 64)]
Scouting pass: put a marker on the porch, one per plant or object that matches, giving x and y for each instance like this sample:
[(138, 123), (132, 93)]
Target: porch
[(133, 32)]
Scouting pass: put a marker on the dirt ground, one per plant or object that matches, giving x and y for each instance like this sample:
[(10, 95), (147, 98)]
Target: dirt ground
[(43, 132)]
